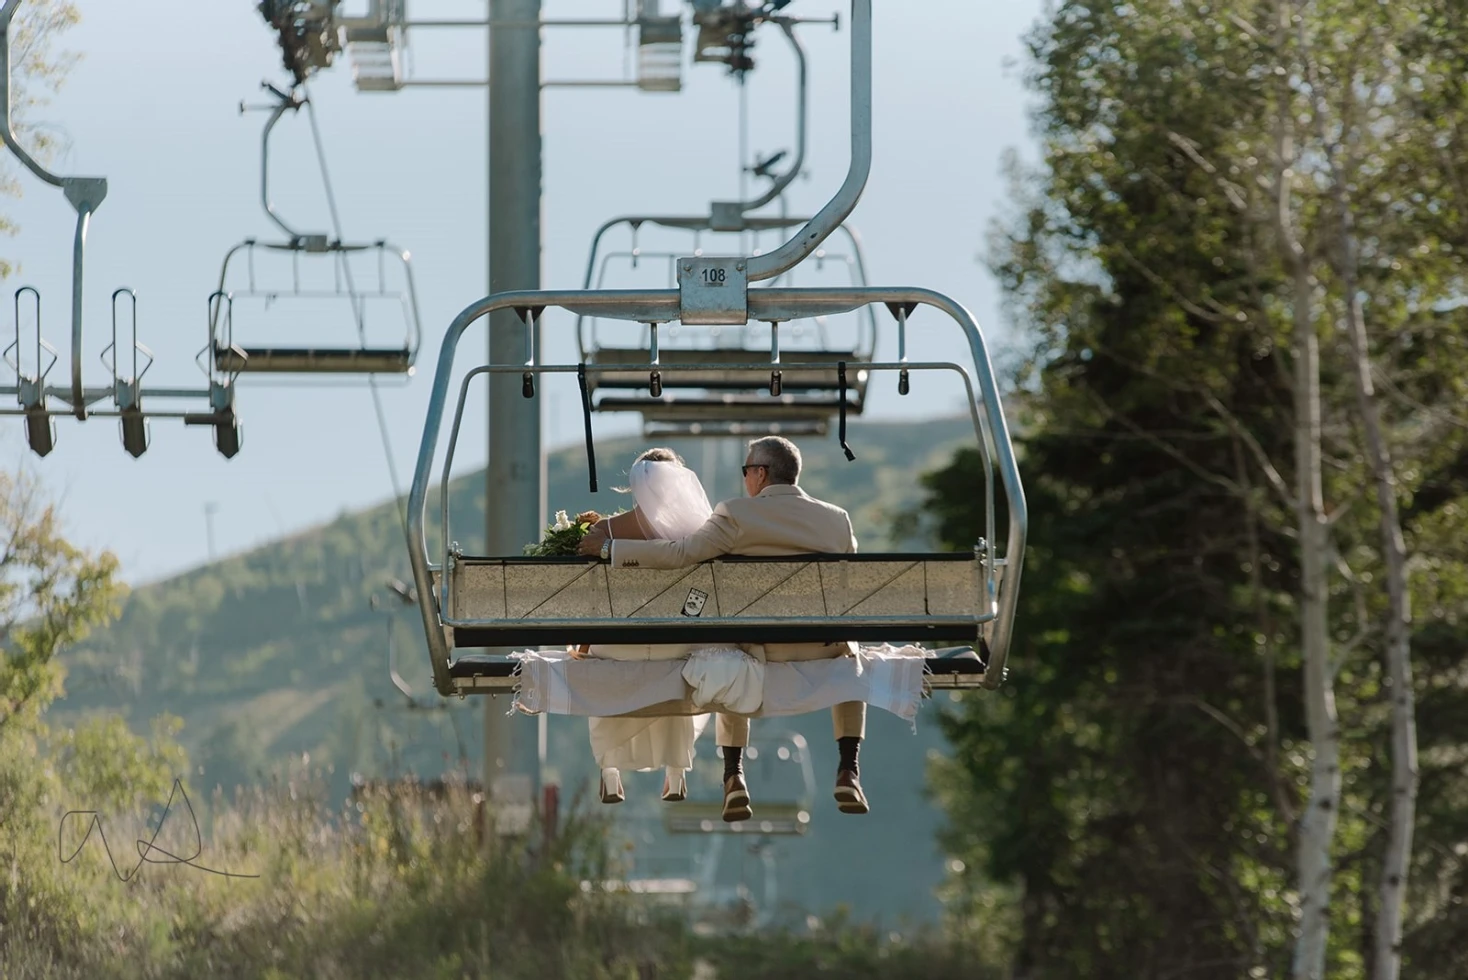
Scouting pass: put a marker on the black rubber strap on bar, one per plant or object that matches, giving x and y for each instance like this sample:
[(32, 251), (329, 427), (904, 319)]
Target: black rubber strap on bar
[(858, 557), (466, 637), (586, 414), (477, 666), (841, 384)]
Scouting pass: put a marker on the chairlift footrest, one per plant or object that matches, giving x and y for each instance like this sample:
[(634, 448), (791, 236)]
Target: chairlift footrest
[(313, 360)]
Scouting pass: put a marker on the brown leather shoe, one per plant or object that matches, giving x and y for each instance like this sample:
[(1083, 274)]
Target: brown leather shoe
[(849, 797), (736, 800)]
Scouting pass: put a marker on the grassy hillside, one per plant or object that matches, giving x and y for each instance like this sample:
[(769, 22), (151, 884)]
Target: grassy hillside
[(280, 652)]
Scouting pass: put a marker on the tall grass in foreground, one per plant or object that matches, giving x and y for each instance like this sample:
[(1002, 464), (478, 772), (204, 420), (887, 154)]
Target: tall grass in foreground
[(391, 884)]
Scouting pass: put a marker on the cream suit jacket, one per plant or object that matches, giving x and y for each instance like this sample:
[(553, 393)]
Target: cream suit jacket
[(781, 520)]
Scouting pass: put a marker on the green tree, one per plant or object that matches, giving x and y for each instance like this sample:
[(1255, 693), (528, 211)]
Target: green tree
[(37, 72), (51, 595), (1231, 265)]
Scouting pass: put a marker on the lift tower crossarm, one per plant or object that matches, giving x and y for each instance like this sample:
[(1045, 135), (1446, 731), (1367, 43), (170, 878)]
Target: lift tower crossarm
[(85, 194)]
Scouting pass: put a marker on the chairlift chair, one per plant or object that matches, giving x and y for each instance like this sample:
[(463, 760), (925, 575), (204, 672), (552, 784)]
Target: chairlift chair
[(335, 287), (782, 813), (750, 396), (960, 603), (343, 295), (739, 400)]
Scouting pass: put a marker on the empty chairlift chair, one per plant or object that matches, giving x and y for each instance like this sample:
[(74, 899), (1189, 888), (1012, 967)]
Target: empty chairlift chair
[(786, 377), (778, 767), (317, 277), (339, 291)]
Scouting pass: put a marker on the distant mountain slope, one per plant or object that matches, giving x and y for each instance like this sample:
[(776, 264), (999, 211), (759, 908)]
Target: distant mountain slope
[(280, 651)]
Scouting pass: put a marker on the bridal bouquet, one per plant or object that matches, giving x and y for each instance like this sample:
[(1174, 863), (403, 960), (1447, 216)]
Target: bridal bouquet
[(563, 535)]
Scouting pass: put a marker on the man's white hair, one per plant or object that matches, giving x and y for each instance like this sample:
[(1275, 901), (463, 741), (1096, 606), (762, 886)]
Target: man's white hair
[(780, 455)]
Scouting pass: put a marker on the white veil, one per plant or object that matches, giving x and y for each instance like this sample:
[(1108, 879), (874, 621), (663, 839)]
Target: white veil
[(670, 497)]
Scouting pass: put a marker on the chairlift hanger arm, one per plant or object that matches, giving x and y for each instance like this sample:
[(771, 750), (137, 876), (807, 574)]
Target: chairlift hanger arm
[(7, 13), (85, 194), (830, 217), (285, 102), (802, 103)]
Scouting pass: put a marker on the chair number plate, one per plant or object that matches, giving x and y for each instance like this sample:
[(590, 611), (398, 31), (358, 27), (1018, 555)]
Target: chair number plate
[(713, 289)]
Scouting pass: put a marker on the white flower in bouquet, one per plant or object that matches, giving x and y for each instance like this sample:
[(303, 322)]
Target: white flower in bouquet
[(563, 523)]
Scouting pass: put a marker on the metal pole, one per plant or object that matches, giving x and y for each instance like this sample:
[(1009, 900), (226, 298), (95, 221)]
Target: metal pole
[(515, 473)]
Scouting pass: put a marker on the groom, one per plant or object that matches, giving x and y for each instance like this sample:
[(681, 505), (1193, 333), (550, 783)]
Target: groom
[(777, 518)]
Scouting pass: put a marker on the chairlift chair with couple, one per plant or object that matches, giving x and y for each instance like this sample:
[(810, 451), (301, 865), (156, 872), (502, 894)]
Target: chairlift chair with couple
[(723, 587)]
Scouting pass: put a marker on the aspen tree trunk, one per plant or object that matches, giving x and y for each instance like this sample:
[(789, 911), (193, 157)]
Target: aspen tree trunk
[(1403, 808), (1403, 811), (1314, 869)]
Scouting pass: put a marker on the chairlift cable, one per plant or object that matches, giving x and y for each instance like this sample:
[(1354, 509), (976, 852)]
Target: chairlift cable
[(399, 501), (743, 151)]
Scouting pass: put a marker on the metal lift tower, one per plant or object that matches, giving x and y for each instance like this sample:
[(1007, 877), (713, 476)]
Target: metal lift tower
[(516, 466)]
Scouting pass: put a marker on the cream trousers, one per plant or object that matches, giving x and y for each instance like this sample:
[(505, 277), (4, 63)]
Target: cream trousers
[(848, 718)]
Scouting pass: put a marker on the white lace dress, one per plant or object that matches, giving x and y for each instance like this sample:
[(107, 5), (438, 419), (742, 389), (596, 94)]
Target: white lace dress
[(671, 503), (641, 744)]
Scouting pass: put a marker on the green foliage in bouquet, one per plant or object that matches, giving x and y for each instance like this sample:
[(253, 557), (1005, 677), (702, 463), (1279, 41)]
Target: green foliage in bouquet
[(563, 535)]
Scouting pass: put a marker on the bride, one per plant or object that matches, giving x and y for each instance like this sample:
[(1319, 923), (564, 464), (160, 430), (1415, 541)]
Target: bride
[(670, 503)]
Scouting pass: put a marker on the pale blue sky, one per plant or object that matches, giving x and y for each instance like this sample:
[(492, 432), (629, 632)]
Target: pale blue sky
[(152, 106)]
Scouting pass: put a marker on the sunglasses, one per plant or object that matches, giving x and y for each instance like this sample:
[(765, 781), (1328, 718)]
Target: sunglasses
[(752, 466)]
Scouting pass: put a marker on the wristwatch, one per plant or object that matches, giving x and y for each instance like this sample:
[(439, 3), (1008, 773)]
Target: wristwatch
[(606, 550)]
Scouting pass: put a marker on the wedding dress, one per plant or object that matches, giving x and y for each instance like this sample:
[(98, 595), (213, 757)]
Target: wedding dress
[(671, 503)]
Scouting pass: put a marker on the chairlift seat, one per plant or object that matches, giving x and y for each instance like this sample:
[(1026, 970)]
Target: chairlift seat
[(746, 371), (741, 428), (929, 599), (313, 360), (730, 409)]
